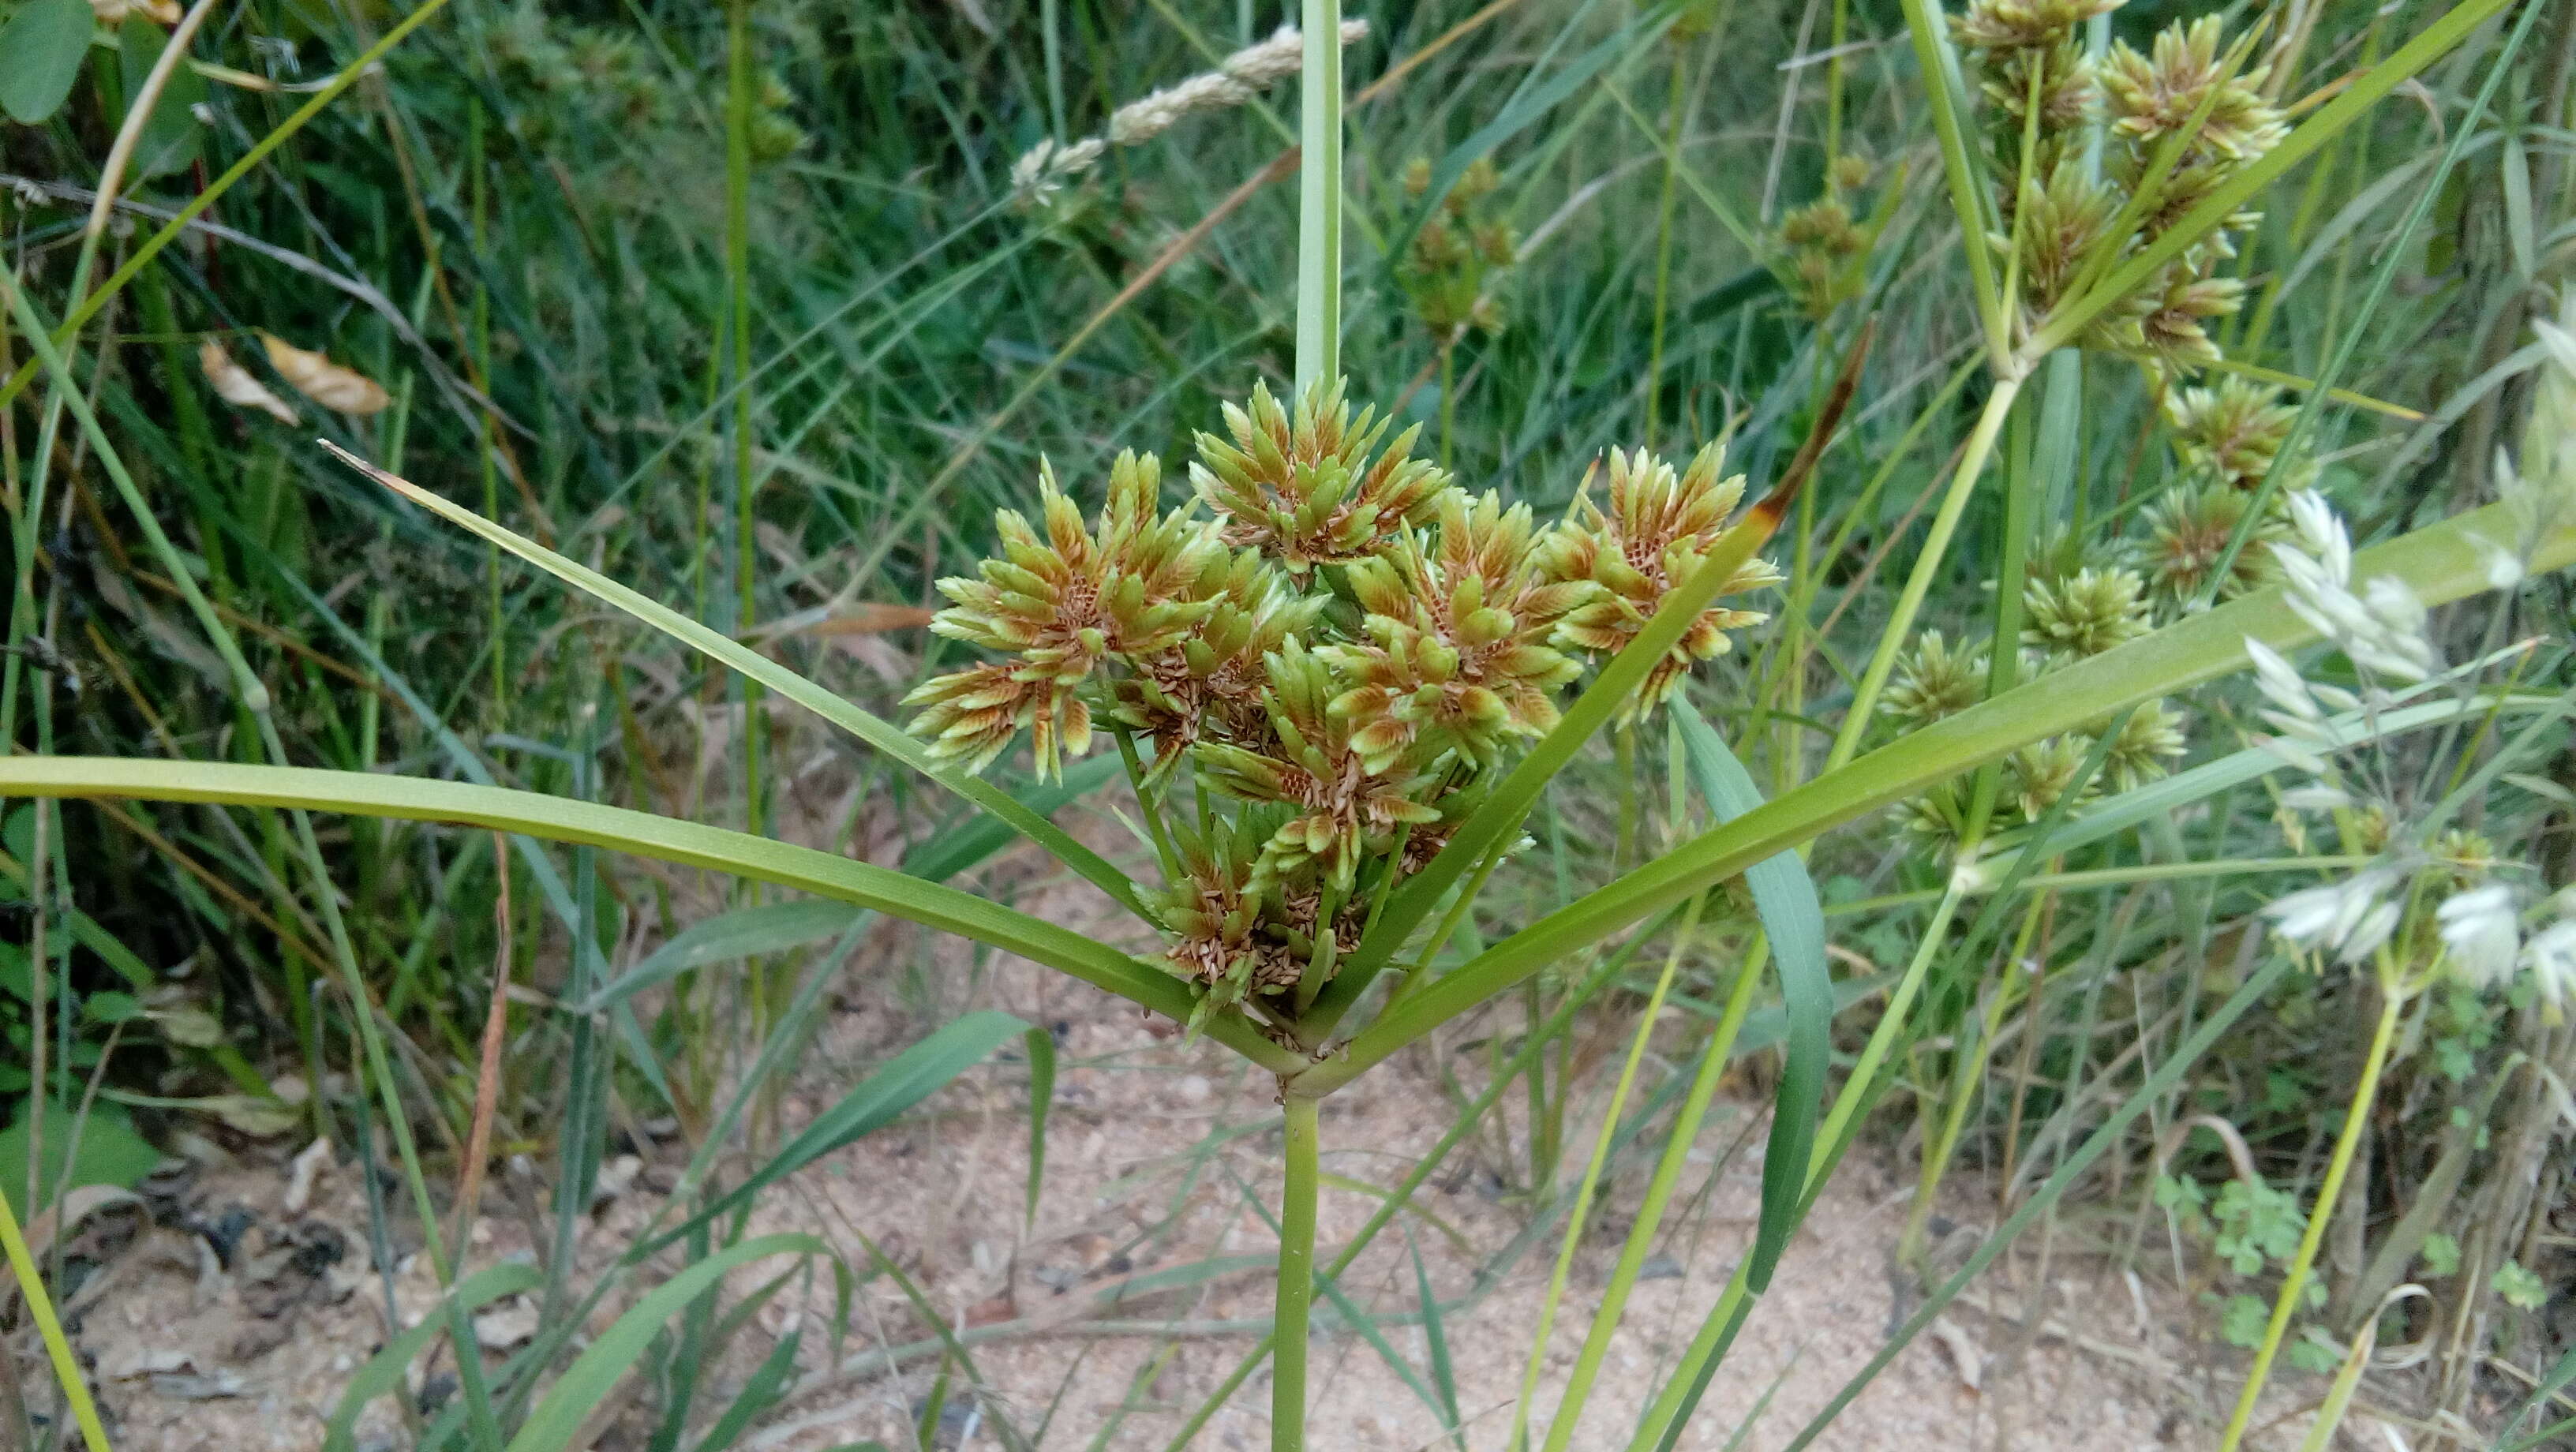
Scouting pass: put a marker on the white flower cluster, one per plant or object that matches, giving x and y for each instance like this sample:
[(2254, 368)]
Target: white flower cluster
[(1047, 167), (2382, 629), (2349, 919), (2486, 948), (2481, 932)]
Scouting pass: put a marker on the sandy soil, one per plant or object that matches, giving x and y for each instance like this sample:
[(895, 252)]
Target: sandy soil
[(235, 1321)]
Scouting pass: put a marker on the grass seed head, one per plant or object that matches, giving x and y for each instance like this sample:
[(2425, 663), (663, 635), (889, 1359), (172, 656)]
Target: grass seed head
[(2153, 96), (1936, 679), (2232, 431)]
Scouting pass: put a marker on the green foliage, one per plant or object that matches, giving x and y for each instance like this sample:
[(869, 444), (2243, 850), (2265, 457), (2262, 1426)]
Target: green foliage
[(98, 1147), (42, 45), (773, 340)]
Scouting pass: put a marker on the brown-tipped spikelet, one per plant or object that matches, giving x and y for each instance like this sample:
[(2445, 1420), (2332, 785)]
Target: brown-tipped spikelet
[(1210, 683), (2188, 529), (2155, 96), (1065, 603), (1310, 765), (2022, 24), (1659, 527), (1456, 653), (1313, 488), (2233, 432), (1332, 672)]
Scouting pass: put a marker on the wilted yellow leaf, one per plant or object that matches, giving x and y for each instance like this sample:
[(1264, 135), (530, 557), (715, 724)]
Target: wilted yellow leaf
[(235, 385), (332, 385)]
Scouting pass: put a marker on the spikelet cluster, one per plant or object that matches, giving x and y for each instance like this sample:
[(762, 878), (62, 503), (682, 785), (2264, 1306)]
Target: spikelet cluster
[(1453, 267), (1658, 529), (1330, 646), (1820, 252), (2069, 613), (2182, 117)]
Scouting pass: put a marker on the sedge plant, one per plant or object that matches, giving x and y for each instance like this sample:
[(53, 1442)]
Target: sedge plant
[(1339, 679)]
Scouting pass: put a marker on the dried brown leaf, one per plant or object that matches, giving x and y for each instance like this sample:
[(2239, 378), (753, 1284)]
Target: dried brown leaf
[(335, 386), (234, 384)]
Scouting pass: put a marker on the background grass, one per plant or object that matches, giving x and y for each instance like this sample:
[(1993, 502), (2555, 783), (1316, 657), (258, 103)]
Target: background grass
[(519, 227)]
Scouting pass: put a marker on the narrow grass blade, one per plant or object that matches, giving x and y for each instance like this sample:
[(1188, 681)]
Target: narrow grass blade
[(385, 1370), (1794, 918), (668, 839), (947, 853), (874, 730), (1444, 1376), (2559, 1376), (906, 1080), (758, 1395), (1041, 1046), (751, 932), (2185, 1056), (557, 1420)]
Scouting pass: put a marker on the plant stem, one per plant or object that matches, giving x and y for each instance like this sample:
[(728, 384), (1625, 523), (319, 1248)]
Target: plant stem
[(1936, 546), (1575, 1222), (67, 1368), (1965, 1079), (1664, 244), (1296, 1275), (1319, 199), (742, 92), (2356, 1118), (1659, 1193)]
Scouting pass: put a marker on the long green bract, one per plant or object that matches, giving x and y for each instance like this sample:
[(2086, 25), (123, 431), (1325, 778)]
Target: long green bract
[(2445, 562), (884, 735), (668, 839), (1512, 797), (2223, 202)]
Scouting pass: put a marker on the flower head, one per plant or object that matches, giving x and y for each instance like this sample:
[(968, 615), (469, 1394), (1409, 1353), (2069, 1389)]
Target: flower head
[(2382, 628), (2148, 742), (2550, 959), (2022, 24), (1310, 764), (2155, 96), (2481, 934), (1456, 653), (1936, 679), (1210, 682), (1659, 527), (2188, 529), (1314, 488), (2349, 919), (2039, 776), (1222, 911), (2232, 432), (1064, 603), (2085, 614)]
